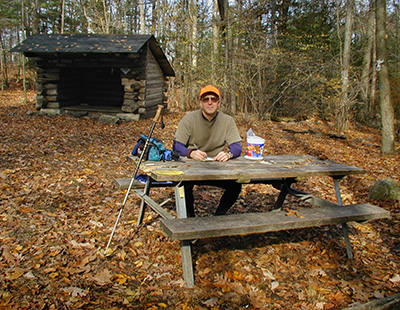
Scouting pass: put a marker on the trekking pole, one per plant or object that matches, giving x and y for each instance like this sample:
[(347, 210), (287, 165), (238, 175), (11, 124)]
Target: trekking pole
[(155, 120)]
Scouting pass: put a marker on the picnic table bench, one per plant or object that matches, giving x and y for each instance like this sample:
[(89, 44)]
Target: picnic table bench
[(281, 171)]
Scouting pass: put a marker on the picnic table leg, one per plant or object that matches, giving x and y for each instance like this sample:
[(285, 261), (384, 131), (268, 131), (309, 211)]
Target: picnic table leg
[(146, 191), (281, 198), (186, 250), (344, 225), (284, 187)]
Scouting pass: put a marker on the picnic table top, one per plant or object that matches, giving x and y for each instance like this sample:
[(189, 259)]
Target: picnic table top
[(243, 170)]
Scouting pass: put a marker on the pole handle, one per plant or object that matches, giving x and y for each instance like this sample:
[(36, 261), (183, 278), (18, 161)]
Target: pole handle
[(158, 113)]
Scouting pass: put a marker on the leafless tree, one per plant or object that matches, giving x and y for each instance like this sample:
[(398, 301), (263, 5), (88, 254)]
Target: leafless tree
[(387, 110), (342, 110)]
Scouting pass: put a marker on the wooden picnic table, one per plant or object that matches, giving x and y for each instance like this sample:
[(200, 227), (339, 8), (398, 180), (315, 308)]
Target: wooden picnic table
[(273, 166), (281, 171)]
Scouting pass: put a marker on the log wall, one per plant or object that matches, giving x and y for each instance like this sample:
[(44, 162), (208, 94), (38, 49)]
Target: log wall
[(134, 83)]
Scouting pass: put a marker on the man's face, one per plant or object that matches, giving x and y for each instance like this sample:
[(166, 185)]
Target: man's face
[(210, 103)]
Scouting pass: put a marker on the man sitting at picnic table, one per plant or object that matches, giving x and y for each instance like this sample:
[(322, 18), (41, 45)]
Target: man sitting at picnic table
[(209, 133)]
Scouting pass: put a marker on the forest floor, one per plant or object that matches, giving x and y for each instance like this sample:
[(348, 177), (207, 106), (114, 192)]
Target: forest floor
[(58, 205)]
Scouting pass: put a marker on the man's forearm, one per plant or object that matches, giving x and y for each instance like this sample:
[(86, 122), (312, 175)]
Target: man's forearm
[(236, 149), (182, 149)]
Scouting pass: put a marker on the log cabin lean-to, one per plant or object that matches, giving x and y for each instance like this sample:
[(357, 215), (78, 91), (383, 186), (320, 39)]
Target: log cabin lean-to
[(126, 75)]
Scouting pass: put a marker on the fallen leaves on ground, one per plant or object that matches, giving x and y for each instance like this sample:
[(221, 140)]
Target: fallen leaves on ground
[(58, 207)]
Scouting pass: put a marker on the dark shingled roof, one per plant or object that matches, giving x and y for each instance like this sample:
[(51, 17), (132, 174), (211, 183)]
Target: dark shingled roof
[(93, 43)]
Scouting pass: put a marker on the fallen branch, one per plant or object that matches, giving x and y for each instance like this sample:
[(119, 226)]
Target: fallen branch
[(330, 135), (388, 303)]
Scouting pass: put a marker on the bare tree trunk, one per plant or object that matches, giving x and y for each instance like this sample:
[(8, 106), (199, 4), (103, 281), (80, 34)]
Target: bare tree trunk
[(343, 108), (274, 32), (374, 79), (367, 70), (142, 8), (106, 24), (155, 20), (396, 68), (215, 43), (231, 87), (22, 55), (193, 33), (3, 62), (185, 55), (34, 11), (183, 93), (62, 16), (89, 24), (387, 110), (228, 72)]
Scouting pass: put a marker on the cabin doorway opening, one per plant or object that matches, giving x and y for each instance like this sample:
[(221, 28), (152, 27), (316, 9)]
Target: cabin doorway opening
[(91, 89)]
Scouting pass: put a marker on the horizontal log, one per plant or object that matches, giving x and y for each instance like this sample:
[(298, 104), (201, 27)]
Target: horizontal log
[(54, 105), (154, 73), (129, 109), (135, 68), (130, 95), (50, 85), (54, 98), (135, 92), (152, 103), (130, 102), (154, 89), (131, 75), (159, 83), (151, 97), (52, 91), (132, 88), (126, 109), (132, 82), (140, 97)]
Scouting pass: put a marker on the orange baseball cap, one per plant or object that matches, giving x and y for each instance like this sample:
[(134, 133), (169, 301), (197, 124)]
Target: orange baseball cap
[(210, 89)]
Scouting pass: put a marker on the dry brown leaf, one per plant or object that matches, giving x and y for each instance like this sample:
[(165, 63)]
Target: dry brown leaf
[(205, 196), (76, 291), (14, 274), (103, 278), (8, 258), (395, 279)]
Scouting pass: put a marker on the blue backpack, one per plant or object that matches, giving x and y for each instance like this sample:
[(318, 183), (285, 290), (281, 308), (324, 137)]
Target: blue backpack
[(156, 150)]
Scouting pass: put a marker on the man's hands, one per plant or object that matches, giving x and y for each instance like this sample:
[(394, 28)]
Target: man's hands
[(200, 155), (222, 156)]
